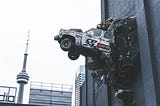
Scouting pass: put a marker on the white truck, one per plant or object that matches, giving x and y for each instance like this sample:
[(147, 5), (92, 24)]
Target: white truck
[(93, 42)]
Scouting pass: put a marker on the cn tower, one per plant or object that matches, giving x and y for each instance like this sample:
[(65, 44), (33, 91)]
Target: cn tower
[(22, 77)]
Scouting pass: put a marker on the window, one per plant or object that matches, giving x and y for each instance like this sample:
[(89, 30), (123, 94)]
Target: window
[(94, 32)]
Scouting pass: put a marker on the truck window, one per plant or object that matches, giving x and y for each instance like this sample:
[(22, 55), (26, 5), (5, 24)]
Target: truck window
[(94, 32)]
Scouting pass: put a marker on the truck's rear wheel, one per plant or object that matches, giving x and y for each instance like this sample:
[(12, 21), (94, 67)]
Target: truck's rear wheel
[(73, 55)]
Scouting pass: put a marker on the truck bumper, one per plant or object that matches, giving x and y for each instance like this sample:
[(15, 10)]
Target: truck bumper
[(56, 37)]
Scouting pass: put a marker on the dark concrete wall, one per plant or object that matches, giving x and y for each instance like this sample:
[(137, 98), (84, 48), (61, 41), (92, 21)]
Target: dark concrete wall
[(147, 85), (101, 96), (89, 85)]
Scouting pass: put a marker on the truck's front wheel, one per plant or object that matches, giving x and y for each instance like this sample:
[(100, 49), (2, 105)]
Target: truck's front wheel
[(66, 44)]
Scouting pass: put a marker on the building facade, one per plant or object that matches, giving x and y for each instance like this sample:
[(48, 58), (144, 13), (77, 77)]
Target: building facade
[(79, 79), (146, 86), (8, 94), (49, 94)]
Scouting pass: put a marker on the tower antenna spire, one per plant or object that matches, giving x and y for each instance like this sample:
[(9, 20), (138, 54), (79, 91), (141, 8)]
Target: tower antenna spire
[(22, 77), (27, 42)]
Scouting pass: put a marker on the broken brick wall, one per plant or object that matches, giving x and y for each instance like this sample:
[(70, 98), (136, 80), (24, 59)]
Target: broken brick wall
[(147, 84)]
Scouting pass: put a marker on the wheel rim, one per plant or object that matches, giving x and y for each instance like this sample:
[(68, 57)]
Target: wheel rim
[(66, 44)]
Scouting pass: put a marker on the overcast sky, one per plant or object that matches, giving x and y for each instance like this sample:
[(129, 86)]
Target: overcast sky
[(44, 18)]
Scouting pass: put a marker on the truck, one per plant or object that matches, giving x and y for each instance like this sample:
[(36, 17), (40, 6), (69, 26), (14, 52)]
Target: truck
[(93, 42)]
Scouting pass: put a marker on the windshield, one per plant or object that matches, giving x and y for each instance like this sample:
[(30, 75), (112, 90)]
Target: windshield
[(94, 32)]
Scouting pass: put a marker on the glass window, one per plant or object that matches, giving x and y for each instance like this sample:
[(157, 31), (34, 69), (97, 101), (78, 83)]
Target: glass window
[(94, 32)]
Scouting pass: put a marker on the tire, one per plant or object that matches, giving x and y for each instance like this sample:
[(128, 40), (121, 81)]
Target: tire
[(66, 44), (73, 55)]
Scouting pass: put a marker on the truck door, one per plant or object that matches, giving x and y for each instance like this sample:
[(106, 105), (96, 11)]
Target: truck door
[(104, 42), (91, 37)]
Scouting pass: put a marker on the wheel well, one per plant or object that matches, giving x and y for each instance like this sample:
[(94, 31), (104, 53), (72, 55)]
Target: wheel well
[(67, 36)]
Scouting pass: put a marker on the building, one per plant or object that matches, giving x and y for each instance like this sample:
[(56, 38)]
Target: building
[(8, 97), (8, 94), (146, 87), (49, 94), (79, 79)]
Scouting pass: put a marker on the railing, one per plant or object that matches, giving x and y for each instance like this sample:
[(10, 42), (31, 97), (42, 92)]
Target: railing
[(51, 86)]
